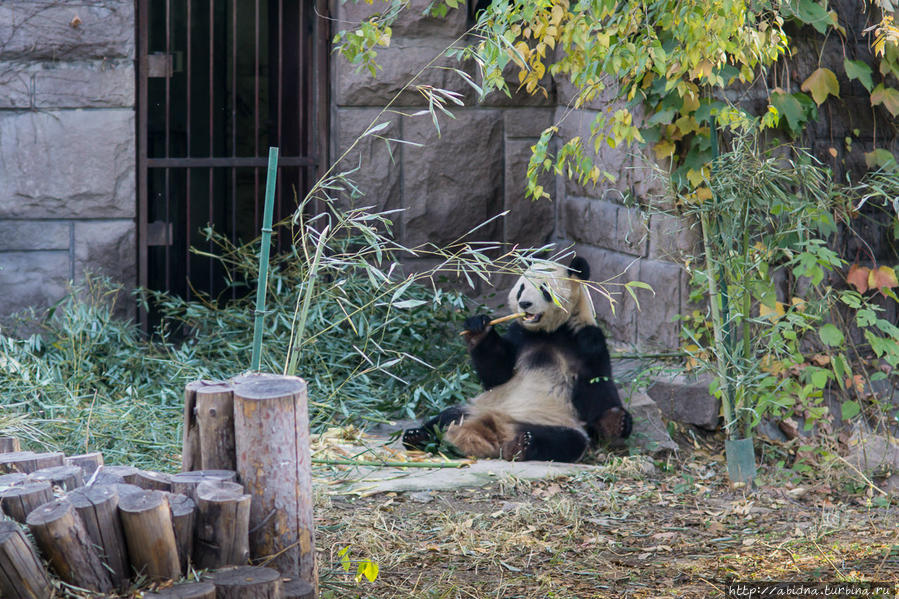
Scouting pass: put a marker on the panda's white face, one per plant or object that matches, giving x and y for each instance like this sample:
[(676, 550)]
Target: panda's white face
[(548, 296)]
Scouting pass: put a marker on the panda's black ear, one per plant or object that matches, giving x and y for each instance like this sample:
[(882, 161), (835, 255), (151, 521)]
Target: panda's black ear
[(579, 268)]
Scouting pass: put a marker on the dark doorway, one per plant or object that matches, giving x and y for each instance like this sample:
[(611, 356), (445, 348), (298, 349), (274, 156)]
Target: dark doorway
[(219, 81)]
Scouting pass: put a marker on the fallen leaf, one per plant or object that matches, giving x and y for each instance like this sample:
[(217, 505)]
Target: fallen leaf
[(858, 277), (821, 359)]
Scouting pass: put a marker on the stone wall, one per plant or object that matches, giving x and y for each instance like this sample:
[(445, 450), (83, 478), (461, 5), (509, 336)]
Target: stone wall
[(476, 169), (67, 153)]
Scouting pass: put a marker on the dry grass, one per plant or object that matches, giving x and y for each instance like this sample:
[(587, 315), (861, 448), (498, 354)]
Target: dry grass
[(624, 533)]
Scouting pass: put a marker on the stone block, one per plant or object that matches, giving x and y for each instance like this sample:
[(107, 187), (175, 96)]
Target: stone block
[(15, 85), (650, 433), (453, 183), (96, 84), (67, 164), (673, 238), (378, 174), (567, 94), (530, 223), (16, 235), (412, 21), (656, 327), (37, 280), (528, 122), (49, 29), (605, 224), (106, 247), (398, 65), (611, 270), (686, 399)]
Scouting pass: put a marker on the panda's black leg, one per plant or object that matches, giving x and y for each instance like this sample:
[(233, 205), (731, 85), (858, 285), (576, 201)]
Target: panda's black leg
[(542, 442), (429, 432), (615, 423)]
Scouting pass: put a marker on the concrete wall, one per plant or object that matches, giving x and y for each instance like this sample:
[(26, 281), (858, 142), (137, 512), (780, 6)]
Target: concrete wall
[(67, 147), (476, 169)]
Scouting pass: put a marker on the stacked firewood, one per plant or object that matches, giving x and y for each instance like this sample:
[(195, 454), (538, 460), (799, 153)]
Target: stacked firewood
[(102, 528)]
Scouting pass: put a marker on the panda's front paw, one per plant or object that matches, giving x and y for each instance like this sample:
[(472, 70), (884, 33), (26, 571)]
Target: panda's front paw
[(477, 324), (518, 447), (417, 438)]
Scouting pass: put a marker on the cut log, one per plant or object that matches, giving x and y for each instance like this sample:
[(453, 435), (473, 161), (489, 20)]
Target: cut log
[(186, 483), (271, 426), (190, 447), (247, 582), (124, 489), (147, 521), (68, 478), (185, 590), (223, 518), (9, 444), (28, 461), (292, 588), (62, 538), (147, 479), (9, 480), (22, 574), (215, 426), (89, 462), (21, 500), (184, 518), (97, 507)]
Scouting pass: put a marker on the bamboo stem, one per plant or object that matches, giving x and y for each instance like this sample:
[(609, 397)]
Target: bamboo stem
[(501, 319), (261, 284)]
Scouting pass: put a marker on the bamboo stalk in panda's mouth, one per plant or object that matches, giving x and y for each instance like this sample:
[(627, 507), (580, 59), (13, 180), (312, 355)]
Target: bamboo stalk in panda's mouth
[(501, 319)]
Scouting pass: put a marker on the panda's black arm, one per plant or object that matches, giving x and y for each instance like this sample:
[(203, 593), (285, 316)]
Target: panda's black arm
[(595, 390), (493, 358)]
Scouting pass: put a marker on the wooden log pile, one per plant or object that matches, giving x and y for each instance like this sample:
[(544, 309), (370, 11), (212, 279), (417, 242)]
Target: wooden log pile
[(244, 496)]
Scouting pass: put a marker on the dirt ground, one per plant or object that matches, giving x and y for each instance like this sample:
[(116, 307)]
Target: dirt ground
[(636, 528)]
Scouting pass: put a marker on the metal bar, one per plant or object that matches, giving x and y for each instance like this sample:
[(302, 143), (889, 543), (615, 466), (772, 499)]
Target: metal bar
[(261, 284), (256, 117), (280, 121), (168, 127), (227, 161), (188, 152), (211, 125), (234, 128), (142, 44), (322, 99)]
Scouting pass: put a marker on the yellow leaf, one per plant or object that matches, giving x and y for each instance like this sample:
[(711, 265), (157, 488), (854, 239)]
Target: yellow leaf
[(821, 83), (772, 313), (703, 193), (882, 277), (663, 149), (691, 102)]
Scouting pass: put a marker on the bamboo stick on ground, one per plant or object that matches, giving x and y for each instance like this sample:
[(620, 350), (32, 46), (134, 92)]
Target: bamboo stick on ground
[(501, 320)]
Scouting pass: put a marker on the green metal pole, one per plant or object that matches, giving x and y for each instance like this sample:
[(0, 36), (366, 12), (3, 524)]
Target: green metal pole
[(262, 283)]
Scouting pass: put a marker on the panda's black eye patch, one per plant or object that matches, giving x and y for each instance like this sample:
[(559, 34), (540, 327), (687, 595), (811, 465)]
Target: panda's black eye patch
[(520, 291), (546, 294)]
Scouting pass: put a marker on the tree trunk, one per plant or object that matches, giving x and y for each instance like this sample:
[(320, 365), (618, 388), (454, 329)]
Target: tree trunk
[(184, 517), (185, 590), (9, 444), (222, 525), (28, 461), (190, 446), (247, 582), (67, 477), (89, 462), (147, 521), (8, 480), (21, 500), (215, 426), (22, 575), (186, 483), (64, 541), (153, 481), (97, 507), (296, 589)]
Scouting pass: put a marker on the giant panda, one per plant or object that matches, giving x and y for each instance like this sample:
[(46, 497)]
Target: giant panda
[(548, 388)]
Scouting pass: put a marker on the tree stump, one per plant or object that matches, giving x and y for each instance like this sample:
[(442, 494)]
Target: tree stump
[(19, 501), (22, 574), (294, 588), (28, 461), (223, 518), (186, 483), (9, 444), (97, 507), (271, 427), (215, 427), (247, 582), (184, 517), (185, 590), (9, 480), (68, 478), (150, 536), (63, 539), (147, 479), (89, 462)]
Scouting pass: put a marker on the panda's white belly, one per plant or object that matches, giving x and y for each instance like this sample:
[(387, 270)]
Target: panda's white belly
[(539, 391)]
